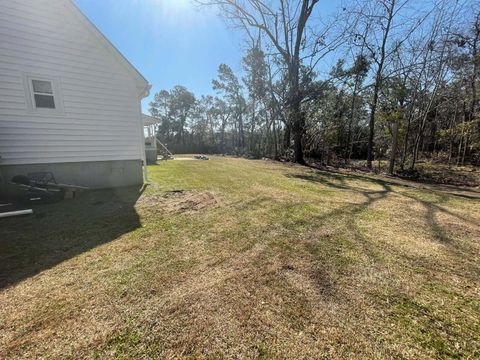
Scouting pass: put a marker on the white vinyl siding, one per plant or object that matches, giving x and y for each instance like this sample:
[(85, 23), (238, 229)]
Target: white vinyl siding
[(97, 108)]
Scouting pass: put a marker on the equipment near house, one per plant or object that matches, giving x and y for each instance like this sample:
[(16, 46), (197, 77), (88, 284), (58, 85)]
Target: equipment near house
[(42, 186), (166, 154)]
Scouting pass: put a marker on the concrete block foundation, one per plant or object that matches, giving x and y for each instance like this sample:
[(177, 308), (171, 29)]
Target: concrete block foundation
[(92, 174)]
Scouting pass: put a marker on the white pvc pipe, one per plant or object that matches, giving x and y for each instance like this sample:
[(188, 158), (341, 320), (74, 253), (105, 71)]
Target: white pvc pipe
[(16, 213)]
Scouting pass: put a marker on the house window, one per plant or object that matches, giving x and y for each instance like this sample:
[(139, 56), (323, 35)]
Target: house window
[(43, 94)]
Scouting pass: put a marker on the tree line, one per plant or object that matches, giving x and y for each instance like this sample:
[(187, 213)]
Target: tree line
[(404, 85)]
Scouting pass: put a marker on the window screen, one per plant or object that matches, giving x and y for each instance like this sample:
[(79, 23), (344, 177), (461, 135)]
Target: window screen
[(43, 94)]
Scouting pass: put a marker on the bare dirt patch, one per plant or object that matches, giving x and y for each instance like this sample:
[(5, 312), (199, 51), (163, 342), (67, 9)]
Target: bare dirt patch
[(178, 201)]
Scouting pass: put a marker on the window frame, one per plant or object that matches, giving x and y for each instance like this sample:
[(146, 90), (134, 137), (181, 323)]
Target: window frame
[(56, 93), (48, 93)]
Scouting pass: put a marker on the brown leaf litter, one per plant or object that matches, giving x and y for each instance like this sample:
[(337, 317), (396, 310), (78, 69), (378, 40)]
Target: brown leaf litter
[(180, 201)]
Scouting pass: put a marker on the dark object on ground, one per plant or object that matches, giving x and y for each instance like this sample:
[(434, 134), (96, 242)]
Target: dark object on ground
[(202, 157), (167, 157), (21, 180), (39, 187), (43, 187), (42, 178)]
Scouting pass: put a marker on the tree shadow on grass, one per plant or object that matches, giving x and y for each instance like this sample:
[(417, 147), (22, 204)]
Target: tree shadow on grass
[(351, 211), (58, 232), (327, 250), (389, 261), (339, 180), (432, 208)]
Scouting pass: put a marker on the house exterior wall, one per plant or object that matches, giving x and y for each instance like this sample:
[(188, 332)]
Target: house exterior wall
[(98, 120)]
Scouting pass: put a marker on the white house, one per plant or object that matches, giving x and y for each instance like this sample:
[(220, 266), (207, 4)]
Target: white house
[(70, 103)]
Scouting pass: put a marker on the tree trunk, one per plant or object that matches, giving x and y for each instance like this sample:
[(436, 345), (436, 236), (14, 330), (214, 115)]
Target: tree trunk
[(393, 155), (241, 131), (222, 137), (460, 146), (297, 148), (275, 141), (348, 150), (378, 83), (253, 144), (298, 127), (286, 137), (476, 63), (371, 127), (464, 149)]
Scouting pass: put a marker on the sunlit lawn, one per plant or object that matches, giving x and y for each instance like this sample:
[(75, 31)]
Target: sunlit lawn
[(290, 263)]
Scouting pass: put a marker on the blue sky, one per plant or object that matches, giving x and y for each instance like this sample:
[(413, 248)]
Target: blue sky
[(171, 42)]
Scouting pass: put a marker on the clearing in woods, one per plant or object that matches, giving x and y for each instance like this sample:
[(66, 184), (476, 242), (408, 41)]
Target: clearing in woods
[(231, 258)]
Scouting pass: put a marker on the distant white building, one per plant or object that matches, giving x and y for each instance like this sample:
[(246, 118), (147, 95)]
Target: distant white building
[(70, 103)]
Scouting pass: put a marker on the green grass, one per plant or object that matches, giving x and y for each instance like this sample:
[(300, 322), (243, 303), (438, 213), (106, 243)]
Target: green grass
[(291, 263)]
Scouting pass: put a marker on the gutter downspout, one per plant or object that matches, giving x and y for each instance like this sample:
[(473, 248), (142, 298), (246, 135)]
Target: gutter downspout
[(143, 95)]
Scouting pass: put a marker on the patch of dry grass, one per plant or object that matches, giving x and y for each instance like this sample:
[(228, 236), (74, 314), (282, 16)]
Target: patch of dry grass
[(179, 201), (252, 259)]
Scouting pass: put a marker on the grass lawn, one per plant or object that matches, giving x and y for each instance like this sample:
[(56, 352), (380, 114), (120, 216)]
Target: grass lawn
[(253, 259)]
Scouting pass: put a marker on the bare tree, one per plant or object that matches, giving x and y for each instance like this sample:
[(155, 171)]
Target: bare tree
[(284, 27), (406, 84), (376, 20)]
